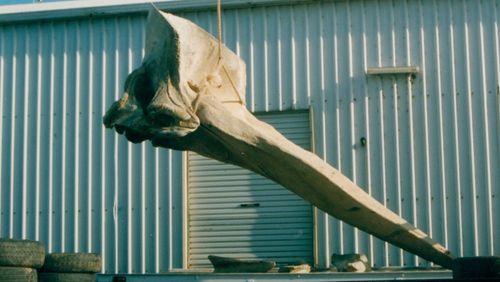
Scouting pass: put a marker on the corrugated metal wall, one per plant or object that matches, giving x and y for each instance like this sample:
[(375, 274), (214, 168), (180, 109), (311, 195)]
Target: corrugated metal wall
[(433, 140), (65, 180), (432, 151)]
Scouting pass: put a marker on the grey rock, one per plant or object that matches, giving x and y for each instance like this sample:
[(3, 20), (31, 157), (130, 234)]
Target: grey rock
[(351, 263), (296, 268)]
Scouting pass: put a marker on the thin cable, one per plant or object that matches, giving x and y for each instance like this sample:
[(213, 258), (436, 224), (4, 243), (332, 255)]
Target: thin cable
[(154, 6), (219, 27), (219, 35)]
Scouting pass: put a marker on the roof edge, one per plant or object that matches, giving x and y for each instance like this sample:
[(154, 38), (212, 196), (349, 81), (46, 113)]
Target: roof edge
[(83, 8)]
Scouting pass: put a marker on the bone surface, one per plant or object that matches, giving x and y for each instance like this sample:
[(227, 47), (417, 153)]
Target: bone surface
[(184, 97)]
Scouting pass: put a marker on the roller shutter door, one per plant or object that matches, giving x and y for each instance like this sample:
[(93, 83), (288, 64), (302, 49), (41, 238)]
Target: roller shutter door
[(237, 213)]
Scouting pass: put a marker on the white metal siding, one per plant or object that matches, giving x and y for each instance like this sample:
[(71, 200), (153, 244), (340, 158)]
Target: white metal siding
[(433, 142), (279, 228), (64, 179)]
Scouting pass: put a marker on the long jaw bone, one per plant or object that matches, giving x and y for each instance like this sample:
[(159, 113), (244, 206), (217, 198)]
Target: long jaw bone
[(182, 99)]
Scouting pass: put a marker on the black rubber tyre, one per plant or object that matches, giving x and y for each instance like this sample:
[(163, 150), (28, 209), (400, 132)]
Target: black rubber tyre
[(66, 277), (476, 267), (17, 274), (72, 263), (21, 253)]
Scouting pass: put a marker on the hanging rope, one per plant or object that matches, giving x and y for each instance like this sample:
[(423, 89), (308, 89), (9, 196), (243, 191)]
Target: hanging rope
[(219, 27), (154, 6), (219, 35)]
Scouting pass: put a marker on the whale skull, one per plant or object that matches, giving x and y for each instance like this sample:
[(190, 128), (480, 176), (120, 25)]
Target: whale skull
[(185, 96)]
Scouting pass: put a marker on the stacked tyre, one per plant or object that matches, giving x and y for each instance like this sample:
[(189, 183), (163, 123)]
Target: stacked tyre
[(20, 259), (70, 267)]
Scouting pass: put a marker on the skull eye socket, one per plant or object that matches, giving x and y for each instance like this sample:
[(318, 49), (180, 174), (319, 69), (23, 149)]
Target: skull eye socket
[(140, 86), (143, 90)]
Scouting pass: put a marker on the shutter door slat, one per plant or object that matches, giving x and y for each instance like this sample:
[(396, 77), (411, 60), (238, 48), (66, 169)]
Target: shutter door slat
[(236, 213)]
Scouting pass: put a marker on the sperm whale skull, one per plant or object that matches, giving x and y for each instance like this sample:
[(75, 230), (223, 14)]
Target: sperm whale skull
[(185, 96)]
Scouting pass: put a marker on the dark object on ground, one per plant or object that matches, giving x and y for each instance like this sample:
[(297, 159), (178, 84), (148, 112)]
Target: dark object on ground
[(72, 263), (18, 274), (66, 277), (231, 265), (21, 253), (350, 263), (476, 267)]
